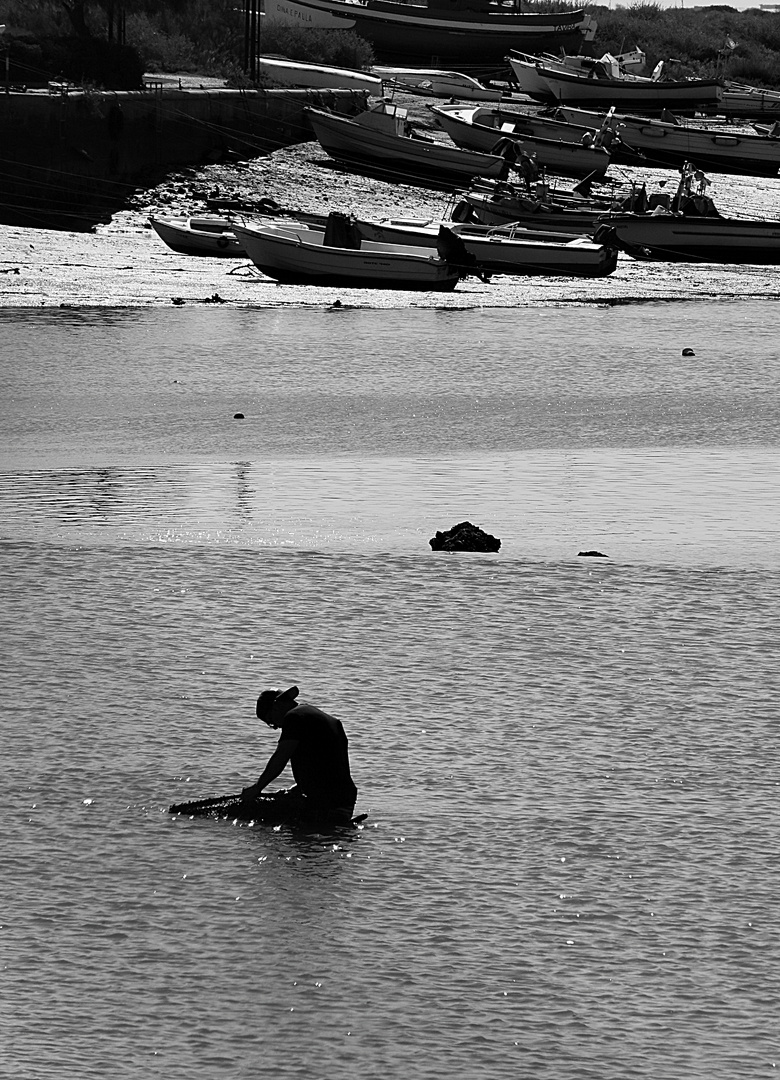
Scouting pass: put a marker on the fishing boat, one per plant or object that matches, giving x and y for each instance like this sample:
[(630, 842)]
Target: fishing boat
[(504, 119), (278, 71), (679, 238), (382, 136), (525, 68), (737, 100), (433, 82), (440, 33), (511, 250), (669, 143), (750, 102), (207, 236), (297, 255), (481, 128), (214, 237), (650, 96)]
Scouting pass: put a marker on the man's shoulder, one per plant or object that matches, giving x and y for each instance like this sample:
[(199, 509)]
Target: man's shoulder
[(308, 717)]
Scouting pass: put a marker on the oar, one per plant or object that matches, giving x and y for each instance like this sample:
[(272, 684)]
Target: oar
[(203, 806)]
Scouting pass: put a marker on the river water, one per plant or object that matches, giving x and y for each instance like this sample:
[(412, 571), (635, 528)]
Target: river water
[(569, 762)]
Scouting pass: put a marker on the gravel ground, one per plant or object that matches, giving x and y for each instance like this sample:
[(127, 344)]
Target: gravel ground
[(124, 263)]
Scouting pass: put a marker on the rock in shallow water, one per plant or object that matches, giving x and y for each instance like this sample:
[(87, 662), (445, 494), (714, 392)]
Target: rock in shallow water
[(464, 537)]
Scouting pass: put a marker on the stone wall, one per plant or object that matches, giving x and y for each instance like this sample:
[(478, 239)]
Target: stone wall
[(71, 159)]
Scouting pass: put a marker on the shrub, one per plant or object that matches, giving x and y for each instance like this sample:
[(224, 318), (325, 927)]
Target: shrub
[(341, 48)]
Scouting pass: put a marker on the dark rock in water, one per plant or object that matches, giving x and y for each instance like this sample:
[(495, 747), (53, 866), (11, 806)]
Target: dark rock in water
[(464, 537), (594, 554)]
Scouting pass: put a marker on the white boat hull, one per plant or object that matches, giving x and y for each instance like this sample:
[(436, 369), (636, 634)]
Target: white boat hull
[(274, 71), (209, 237), (288, 255)]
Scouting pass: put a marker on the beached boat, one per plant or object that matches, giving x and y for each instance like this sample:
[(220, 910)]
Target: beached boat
[(598, 88), (208, 236), (524, 67), (679, 238), (297, 255), (440, 33), (505, 119), (383, 137), (482, 128), (278, 71), (215, 237), (750, 103), (509, 250), (433, 82), (670, 143)]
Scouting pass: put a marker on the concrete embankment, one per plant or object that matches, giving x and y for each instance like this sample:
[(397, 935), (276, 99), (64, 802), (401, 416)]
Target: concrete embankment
[(70, 160)]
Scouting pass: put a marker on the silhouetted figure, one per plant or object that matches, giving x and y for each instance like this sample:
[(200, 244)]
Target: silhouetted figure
[(315, 745)]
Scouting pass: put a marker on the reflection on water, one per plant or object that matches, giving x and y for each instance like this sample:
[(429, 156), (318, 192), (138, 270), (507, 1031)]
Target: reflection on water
[(685, 508)]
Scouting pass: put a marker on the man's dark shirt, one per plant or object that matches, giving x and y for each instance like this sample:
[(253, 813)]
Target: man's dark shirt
[(320, 763)]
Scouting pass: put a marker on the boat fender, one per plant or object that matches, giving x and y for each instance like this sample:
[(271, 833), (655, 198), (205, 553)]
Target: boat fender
[(462, 212), (222, 241)]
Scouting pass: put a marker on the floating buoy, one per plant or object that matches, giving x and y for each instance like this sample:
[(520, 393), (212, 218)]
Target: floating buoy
[(238, 416), (688, 352)]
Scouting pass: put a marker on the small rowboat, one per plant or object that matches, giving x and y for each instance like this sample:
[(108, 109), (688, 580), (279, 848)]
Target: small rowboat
[(382, 137), (297, 255), (279, 71), (212, 237)]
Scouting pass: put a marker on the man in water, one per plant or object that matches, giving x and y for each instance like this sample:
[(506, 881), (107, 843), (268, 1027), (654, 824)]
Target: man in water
[(315, 746)]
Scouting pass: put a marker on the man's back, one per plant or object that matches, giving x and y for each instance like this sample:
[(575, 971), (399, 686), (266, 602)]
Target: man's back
[(320, 763)]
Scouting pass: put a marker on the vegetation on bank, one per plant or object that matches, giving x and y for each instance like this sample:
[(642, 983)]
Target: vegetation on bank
[(108, 43), (743, 46)]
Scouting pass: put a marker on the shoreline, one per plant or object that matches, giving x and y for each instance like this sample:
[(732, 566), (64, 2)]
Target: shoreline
[(124, 264)]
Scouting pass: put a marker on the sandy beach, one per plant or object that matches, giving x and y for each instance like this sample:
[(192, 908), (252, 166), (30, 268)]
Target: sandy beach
[(123, 263)]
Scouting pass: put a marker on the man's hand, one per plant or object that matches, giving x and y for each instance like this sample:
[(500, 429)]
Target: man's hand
[(251, 792)]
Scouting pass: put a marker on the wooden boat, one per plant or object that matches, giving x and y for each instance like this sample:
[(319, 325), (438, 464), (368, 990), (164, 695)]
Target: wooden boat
[(299, 256), (278, 71), (671, 143), (530, 214), (208, 236), (678, 238), (599, 89), (553, 211), (514, 250), (556, 128), (382, 136), (750, 102), (525, 69), (480, 128), (440, 32), (214, 237), (434, 82)]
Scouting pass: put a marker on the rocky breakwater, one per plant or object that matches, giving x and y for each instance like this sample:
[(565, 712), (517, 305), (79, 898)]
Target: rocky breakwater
[(73, 158)]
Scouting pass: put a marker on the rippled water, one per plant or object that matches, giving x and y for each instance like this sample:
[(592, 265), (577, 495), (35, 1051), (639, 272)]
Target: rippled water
[(569, 764)]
